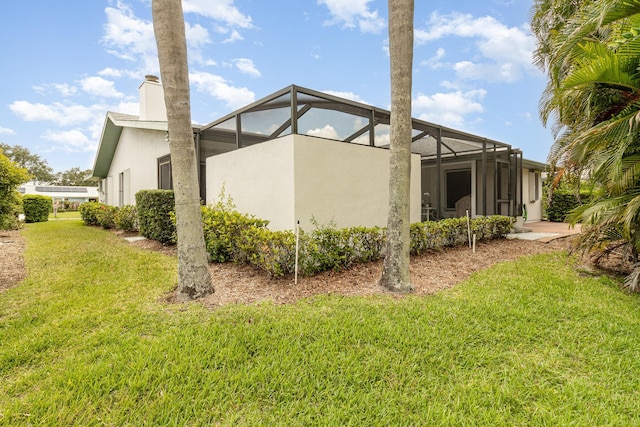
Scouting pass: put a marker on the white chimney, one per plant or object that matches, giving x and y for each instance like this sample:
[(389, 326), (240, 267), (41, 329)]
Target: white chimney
[(152, 105)]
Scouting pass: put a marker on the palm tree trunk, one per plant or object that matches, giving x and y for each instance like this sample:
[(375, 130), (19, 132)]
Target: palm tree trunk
[(194, 280), (395, 273)]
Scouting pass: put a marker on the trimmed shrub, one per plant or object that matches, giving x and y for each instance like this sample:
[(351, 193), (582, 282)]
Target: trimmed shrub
[(434, 235), (126, 218), (106, 216), (89, 212), (224, 231), (329, 248), (270, 251), (562, 203), (154, 215), (36, 207)]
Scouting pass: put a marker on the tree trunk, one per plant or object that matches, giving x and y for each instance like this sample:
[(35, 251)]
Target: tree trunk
[(395, 273), (194, 280)]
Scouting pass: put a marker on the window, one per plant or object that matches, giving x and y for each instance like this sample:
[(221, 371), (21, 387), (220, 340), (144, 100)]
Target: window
[(124, 188), (534, 186), (165, 181), (458, 184)]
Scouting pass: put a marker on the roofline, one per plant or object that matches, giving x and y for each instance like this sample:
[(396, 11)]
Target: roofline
[(110, 136), (532, 164), (444, 131)]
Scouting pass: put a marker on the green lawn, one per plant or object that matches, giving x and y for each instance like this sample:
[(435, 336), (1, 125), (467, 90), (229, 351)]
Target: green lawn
[(87, 340), (65, 215)]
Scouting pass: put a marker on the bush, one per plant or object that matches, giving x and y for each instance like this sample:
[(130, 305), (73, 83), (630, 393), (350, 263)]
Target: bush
[(106, 216), (271, 251), (154, 215), (329, 248), (89, 212), (126, 218), (562, 203), (433, 235), (36, 207), (11, 176), (224, 230)]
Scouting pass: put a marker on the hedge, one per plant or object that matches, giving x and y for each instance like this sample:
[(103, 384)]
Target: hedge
[(36, 207), (231, 236), (234, 237), (562, 203), (154, 215)]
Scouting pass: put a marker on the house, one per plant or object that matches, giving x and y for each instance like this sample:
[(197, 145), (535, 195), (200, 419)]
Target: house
[(64, 195), (302, 155)]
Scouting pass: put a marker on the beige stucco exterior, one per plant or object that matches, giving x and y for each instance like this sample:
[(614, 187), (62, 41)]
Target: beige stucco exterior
[(136, 158), (300, 178)]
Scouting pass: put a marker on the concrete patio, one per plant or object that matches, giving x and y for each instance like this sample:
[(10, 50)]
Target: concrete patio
[(545, 231)]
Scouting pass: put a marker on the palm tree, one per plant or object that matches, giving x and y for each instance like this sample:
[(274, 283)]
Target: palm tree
[(395, 273), (594, 95), (193, 274)]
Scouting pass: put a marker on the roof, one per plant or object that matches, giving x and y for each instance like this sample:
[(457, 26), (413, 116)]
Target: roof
[(315, 111), (533, 165), (113, 125), (60, 191), (298, 110)]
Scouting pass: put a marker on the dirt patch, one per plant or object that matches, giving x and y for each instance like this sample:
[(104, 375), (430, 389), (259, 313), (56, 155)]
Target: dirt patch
[(12, 268)]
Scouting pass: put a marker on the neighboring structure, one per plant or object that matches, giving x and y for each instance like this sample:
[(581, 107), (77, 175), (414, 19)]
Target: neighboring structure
[(300, 154), (63, 195)]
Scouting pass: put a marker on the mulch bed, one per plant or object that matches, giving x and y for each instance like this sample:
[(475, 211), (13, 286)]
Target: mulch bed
[(12, 269), (431, 272), (243, 284)]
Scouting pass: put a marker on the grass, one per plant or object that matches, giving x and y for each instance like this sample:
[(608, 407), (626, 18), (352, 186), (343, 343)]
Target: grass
[(86, 339), (65, 215)]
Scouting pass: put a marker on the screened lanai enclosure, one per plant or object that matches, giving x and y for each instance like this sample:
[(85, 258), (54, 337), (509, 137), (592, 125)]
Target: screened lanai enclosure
[(459, 171)]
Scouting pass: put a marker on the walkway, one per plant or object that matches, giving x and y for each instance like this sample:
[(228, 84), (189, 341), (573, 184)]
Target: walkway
[(545, 231)]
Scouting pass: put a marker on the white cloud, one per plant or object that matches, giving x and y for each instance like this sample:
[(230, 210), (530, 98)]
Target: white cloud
[(110, 72), (98, 86), (220, 10), (449, 109), (246, 66), (434, 62), (325, 132), (347, 95), (72, 141), (233, 37), (6, 131), (219, 88), (354, 14), (129, 37), (63, 89), (58, 113), (506, 52)]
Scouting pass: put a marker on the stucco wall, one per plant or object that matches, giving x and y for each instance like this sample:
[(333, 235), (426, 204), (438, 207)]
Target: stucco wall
[(137, 151), (346, 183), (299, 177), (259, 179)]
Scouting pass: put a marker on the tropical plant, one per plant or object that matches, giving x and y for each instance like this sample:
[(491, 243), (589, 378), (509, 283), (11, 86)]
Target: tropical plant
[(194, 280), (592, 55), (395, 273)]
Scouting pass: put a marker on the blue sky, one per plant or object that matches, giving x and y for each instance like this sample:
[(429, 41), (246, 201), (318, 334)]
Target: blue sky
[(66, 63)]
